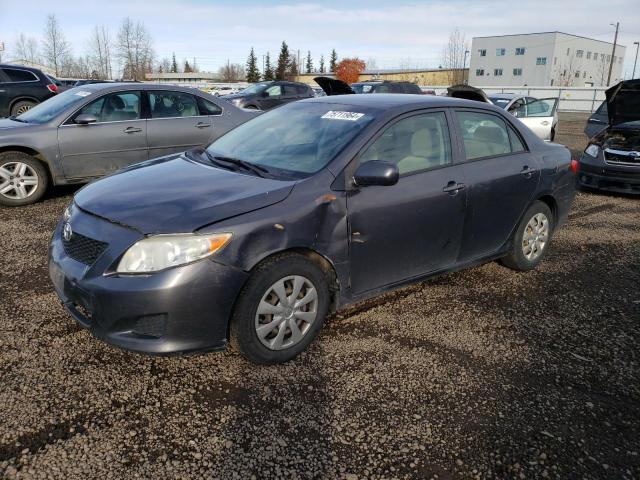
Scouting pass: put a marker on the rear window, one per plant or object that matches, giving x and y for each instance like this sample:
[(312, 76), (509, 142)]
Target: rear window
[(412, 88), (19, 75)]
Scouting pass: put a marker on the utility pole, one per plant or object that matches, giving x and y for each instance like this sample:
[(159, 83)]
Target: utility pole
[(262, 64), (633, 75), (464, 66), (613, 53)]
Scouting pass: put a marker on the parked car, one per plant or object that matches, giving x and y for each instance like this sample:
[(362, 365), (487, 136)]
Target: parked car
[(540, 115), (386, 86), (96, 129), (80, 83), (611, 161), (22, 88), (598, 121), (224, 90), (267, 95), (301, 211)]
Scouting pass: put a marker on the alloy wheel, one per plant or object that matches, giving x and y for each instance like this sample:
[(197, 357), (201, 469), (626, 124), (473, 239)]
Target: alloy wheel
[(17, 180), (535, 237), (22, 109), (286, 312)]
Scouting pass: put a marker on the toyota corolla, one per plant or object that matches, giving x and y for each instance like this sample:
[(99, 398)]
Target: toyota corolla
[(299, 212)]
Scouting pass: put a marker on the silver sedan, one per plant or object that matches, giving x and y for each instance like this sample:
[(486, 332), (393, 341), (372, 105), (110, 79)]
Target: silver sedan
[(93, 130)]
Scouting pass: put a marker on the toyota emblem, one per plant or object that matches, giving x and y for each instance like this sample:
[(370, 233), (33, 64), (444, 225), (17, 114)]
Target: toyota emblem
[(67, 232)]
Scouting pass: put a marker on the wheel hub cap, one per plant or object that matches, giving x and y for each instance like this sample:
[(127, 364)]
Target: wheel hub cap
[(17, 180), (535, 237)]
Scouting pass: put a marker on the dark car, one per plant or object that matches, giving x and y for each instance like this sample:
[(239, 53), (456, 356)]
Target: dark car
[(611, 161), (22, 88), (96, 129), (598, 121), (267, 95), (386, 86), (79, 83), (299, 212)]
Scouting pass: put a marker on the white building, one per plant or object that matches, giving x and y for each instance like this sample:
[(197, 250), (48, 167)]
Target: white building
[(543, 59)]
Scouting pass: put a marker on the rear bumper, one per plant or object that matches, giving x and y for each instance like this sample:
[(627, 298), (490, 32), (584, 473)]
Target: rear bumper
[(595, 173), (178, 310)]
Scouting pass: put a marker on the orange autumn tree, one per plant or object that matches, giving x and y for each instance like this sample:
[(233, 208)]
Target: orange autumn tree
[(349, 69)]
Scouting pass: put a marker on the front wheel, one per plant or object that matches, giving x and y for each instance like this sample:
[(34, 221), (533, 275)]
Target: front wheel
[(280, 310), (23, 179), (532, 238)]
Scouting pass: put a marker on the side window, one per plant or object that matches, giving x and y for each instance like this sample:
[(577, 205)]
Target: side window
[(382, 88), (484, 135), (516, 105), (172, 104), (289, 90), (516, 143), (274, 91), (114, 107), (413, 144), (302, 91), (208, 108), (17, 75), (412, 88)]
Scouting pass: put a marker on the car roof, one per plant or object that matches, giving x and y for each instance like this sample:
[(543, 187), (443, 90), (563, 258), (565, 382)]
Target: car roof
[(22, 67), (400, 101), (508, 96), (115, 86)]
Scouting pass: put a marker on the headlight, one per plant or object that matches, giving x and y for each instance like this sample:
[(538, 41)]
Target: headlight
[(237, 101), (163, 251), (592, 150), (67, 212)]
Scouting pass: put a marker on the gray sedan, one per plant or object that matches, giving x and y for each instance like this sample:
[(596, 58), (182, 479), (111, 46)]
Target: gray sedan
[(94, 130)]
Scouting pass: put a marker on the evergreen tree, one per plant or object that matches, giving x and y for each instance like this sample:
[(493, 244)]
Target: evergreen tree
[(293, 67), (268, 69), (333, 61), (309, 64), (283, 62), (174, 65), (187, 67), (253, 74), (321, 63)]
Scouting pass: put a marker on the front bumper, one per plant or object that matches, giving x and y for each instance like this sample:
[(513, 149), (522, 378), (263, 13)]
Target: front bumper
[(595, 173), (177, 310)]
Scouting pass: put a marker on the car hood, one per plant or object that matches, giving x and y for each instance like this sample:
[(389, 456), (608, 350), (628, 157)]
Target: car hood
[(623, 102), (333, 86), (177, 195), (467, 92), (7, 123)]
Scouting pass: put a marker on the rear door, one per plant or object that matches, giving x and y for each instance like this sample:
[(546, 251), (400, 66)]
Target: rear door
[(176, 123), (502, 177), (289, 93), (539, 116), (117, 139)]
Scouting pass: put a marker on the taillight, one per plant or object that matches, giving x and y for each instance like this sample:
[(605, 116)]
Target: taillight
[(573, 166), (52, 87)]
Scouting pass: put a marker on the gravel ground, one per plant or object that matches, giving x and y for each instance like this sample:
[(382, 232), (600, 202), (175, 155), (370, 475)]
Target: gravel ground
[(485, 373)]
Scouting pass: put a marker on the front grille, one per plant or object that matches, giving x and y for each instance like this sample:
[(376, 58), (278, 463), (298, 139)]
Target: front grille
[(83, 249), (622, 157)]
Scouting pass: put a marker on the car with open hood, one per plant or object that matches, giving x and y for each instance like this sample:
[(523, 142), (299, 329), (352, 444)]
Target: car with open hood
[(95, 129), (611, 160), (301, 211), (334, 86), (540, 115)]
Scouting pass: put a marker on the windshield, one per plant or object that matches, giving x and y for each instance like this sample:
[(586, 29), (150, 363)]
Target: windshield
[(45, 111), (500, 102), (295, 140), (256, 88)]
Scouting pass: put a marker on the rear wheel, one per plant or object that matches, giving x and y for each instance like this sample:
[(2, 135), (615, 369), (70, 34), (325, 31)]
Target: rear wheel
[(553, 134), (23, 179), (531, 239), (280, 310), (21, 107)]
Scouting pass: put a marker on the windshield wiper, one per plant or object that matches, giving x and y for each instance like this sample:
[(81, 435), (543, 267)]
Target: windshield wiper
[(257, 169)]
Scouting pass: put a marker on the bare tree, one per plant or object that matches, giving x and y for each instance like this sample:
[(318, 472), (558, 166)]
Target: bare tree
[(231, 72), (371, 64), (453, 57), (100, 52), (26, 48), (135, 50), (54, 45), (565, 71), (164, 66)]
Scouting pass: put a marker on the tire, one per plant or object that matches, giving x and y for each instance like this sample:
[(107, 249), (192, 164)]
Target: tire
[(552, 137), (22, 106), (283, 270), (537, 223), (23, 179)]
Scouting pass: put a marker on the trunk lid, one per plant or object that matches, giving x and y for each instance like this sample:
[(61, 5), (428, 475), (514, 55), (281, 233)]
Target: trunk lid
[(333, 86)]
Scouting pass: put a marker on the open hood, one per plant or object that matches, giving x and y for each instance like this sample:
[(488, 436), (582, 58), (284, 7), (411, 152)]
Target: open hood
[(333, 86), (468, 93), (623, 102)]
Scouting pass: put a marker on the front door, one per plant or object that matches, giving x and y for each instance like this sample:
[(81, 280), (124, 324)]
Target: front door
[(176, 124), (271, 97), (501, 176), (539, 116), (415, 226), (117, 139)]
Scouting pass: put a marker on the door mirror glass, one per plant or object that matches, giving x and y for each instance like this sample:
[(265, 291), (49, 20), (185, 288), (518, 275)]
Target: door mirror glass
[(85, 119), (376, 172)]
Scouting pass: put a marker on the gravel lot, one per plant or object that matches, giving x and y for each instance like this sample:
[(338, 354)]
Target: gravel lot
[(485, 373)]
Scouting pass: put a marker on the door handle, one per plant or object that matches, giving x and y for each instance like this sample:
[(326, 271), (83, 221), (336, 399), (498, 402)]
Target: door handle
[(202, 125), (527, 172), (453, 187), (132, 130)]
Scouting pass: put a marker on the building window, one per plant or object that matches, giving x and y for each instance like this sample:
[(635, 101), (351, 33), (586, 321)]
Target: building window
[(619, 59), (517, 72), (584, 75), (500, 52), (614, 59), (579, 53), (483, 52), (541, 61), (608, 58), (520, 51), (568, 51), (497, 72), (578, 74), (479, 72), (555, 60), (588, 55)]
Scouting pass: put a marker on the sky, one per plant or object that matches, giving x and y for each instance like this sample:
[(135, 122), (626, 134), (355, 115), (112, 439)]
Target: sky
[(394, 33)]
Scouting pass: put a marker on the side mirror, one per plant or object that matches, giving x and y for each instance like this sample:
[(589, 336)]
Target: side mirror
[(376, 172), (264, 94), (85, 119)]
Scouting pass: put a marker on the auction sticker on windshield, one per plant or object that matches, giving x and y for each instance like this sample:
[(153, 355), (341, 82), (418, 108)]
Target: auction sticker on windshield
[(350, 116)]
